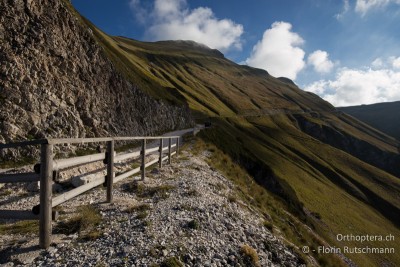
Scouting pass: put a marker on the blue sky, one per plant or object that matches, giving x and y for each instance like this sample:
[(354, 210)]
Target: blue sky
[(346, 51)]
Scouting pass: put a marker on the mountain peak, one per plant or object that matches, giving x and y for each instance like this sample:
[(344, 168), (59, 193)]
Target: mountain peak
[(193, 46), (287, 81)]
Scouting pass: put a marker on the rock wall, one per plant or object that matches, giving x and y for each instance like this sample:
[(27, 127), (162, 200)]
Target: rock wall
[(55, 80)]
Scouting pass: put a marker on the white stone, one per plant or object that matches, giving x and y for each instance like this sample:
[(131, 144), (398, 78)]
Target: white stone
[(84, 179), (35, 187)]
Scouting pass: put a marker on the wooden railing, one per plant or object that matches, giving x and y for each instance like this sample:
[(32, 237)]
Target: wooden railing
[(48, 168)]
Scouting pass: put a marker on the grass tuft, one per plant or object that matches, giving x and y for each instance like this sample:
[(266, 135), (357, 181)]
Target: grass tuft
[(138, 208), (142, 215), (193, 224), (21, 227), (84, 223), (249, 256), (143, 191)]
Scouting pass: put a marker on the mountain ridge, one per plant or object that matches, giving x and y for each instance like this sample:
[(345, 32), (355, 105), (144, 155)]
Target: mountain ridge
[(382, 116), (280, 151)]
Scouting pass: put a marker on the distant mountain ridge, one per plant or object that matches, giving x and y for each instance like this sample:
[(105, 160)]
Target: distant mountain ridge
[(382, 116)]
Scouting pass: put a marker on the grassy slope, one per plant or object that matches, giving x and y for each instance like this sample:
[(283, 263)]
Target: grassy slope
[(328, 181), (311, 170), (382, 116), (348, 194)]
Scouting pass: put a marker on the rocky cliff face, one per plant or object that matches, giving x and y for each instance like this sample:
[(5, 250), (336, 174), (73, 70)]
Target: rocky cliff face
[(55, 80)]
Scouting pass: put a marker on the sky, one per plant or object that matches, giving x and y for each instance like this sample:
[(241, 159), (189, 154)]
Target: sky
[(346, 51)]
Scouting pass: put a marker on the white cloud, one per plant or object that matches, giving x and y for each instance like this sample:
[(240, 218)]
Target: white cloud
[(320, 61), (359, 86), (346, 8), (140, 12), (278, 52), (317, 87), (173, 20), (363, 6), (377, 63), (396, 63)]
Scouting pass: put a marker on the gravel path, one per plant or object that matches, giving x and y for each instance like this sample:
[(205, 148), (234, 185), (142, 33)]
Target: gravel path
[(192, 217)]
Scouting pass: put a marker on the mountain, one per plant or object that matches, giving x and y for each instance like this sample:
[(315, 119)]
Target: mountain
[(382, 116), (329, 173), (331, 170)]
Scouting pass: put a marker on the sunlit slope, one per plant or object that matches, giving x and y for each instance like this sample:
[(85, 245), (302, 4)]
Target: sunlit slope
[(184, 71), (297, 145), (209, 82)]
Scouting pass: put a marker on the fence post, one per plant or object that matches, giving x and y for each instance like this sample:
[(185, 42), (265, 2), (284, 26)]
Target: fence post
[(143, 153), (160, 149), (177, 146), (169, 150), (110, 170), (46, 178)]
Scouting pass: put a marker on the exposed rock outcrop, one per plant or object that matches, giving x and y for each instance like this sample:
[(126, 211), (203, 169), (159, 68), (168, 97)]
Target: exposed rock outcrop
[(56, 81)]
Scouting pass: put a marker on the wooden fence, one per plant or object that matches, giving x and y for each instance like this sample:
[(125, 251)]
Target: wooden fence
[(46, 171)]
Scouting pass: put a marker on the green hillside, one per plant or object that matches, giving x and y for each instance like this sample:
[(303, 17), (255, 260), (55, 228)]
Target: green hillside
[(382, 116), (334, 173)]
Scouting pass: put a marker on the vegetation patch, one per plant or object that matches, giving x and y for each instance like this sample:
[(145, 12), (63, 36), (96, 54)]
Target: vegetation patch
[(268, 225), (182, 157), (193, 224), (232, 199), (185, 206), (138, 208), (192, 193), (84, 152), (142, 215), (249, 256), (5, 164), (5, 192), (21, 227), (171, 262), (84, 223), (144, 191)]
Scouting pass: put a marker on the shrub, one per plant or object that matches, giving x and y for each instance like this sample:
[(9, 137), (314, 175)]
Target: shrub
[(250, 256), (193, 224)]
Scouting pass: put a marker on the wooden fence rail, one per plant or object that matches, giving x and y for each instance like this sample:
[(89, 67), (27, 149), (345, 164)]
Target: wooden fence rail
[(44, 172)]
